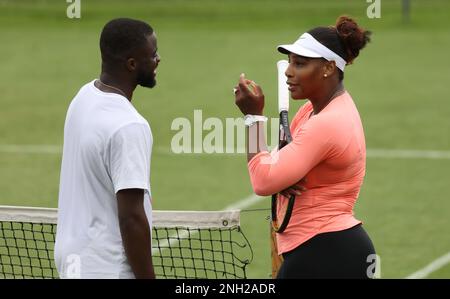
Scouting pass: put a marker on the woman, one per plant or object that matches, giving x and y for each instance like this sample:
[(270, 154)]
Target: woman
[(324, 165)]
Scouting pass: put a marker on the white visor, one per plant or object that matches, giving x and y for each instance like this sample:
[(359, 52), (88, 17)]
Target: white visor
[(308, 46)]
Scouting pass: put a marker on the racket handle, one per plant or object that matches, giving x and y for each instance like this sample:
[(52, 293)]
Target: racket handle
[(283, 92), (285, 131)]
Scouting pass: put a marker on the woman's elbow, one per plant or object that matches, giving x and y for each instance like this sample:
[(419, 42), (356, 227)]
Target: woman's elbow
[(262, 182), (262, 192), (262, 189)]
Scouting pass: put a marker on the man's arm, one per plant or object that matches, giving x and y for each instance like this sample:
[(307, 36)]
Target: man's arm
[(135, 231)]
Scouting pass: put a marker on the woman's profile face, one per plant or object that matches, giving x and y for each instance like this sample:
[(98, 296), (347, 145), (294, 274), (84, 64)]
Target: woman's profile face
[(305, 76)]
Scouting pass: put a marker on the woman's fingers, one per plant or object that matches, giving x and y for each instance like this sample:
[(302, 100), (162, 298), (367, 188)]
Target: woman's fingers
[(248, 96), (301, 187), (298, 187), (257, 88), (290, 191), (243, 84), (247, 86)]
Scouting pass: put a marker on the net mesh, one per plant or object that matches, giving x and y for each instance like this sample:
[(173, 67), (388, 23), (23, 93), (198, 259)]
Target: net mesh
[(26, 250), (200, 245)]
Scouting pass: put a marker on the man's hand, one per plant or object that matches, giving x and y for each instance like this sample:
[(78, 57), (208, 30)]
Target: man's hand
[(135, 231)]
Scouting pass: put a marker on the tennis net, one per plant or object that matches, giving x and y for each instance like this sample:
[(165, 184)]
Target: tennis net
[(186, 244)]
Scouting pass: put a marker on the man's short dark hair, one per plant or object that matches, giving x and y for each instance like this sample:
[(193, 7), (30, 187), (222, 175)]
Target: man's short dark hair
[(120, 37)]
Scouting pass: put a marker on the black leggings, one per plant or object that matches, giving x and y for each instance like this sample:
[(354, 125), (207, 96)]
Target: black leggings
[(341, 254)]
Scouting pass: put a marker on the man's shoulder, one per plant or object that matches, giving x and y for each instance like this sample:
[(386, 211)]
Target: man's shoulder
[(102, 113), (87, 87)]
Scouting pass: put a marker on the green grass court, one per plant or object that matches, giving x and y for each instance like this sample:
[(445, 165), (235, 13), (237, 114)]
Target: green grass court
[(399, 83)]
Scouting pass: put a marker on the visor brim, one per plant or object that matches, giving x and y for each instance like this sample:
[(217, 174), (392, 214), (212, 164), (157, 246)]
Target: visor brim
[(298, 50)]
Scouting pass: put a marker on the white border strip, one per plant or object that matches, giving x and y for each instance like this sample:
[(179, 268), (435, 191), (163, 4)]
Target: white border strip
[(407, 154), (28, 214), (196, 219), (432, 267), (245, 202), (193, 219)]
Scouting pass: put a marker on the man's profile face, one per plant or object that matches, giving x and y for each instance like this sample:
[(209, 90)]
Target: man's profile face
[(148, 60)]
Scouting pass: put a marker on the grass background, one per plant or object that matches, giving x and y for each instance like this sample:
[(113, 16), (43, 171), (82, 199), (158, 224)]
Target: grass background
[(399, 83)]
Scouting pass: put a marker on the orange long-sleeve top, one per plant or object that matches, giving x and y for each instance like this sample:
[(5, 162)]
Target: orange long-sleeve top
[(328, 149)]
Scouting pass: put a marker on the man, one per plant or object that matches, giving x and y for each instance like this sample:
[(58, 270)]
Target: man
[(104, 217)]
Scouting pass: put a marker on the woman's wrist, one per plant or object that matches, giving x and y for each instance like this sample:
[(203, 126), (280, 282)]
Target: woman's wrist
[(251, 119)]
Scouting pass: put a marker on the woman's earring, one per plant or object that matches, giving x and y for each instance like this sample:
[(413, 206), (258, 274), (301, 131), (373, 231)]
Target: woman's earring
[(325, 75)]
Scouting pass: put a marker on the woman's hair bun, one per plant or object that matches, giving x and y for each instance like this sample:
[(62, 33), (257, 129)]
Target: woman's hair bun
[(353, 37)]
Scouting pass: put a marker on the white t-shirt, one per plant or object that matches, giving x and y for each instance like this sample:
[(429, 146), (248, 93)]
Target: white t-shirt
[(107, 147)]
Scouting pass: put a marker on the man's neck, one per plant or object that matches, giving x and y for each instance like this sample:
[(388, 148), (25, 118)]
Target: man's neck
[(116, 84)]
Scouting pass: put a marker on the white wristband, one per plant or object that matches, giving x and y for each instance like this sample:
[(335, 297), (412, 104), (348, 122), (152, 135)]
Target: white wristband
[(250, 119)]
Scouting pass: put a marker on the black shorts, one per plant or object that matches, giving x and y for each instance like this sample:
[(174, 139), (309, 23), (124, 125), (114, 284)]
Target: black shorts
[(342, 254)]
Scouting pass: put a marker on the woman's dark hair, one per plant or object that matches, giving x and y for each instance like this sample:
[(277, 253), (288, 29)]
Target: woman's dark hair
[(346, 39)]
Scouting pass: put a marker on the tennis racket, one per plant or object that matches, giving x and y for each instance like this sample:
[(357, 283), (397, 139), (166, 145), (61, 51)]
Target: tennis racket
[(285, 137)]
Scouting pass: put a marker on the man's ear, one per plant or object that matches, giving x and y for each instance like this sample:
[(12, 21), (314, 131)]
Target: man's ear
[(131, 64)]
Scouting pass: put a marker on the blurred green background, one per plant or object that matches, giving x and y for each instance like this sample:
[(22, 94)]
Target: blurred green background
[(399, 84)]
